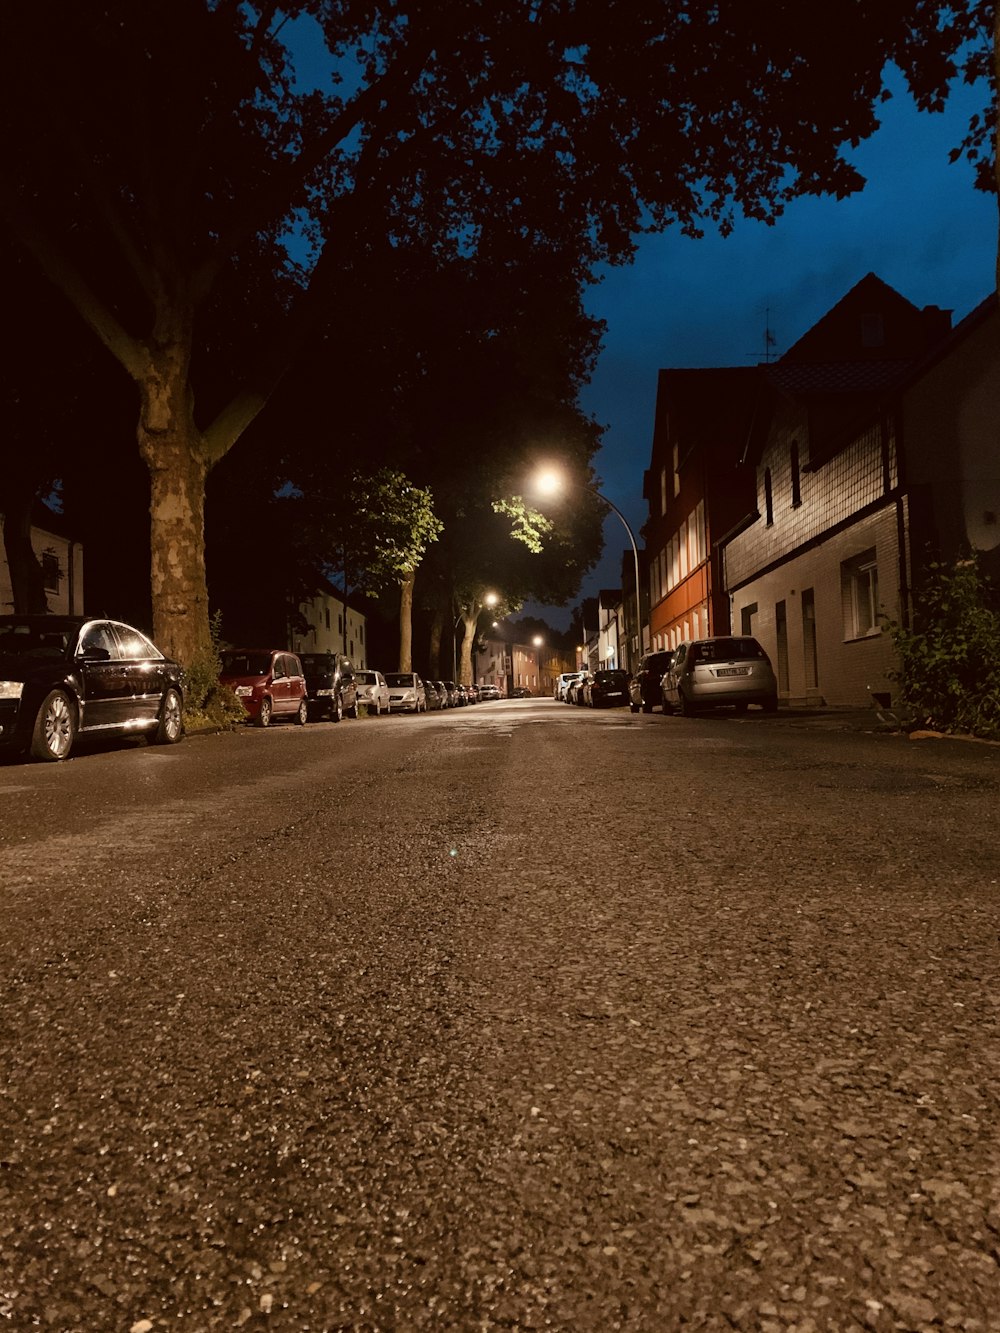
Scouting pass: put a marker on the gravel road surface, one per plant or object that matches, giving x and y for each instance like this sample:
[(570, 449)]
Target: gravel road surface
[(515, 1017)]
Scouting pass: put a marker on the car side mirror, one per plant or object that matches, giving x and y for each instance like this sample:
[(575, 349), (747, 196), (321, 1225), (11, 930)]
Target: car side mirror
[(95, 655)]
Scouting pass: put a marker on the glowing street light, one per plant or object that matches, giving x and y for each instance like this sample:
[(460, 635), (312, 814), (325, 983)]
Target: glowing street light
[(551, 482), (490, 599)]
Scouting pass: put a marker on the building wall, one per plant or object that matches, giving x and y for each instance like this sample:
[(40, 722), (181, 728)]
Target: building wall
[(325, 614), (858, 476), (813, 536), (952, 443), (847, 665), (62, 562)]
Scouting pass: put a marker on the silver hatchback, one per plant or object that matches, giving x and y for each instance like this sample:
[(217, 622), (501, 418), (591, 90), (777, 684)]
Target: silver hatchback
[(727, 671)]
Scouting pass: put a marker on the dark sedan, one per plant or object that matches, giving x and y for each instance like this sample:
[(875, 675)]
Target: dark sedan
[(606, 689), (67, 676)]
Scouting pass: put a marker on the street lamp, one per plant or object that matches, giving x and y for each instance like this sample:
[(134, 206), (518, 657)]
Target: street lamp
[(551, 482), (537, 642)]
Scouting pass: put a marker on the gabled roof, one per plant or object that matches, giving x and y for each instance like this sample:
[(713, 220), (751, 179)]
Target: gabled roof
[(835, 376), (908, 331), (713, 407)]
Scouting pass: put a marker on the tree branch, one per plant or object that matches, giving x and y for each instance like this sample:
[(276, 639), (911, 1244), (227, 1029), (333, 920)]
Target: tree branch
[(66, 277)]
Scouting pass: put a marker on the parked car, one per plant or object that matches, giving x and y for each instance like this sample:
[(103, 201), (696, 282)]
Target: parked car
[(729, 670), (331, 685), (575, 691), (606, 689), (644, 687), (452, 689), (406, 692), (472, 691), (269, 682), (488, 692), (62, 677), (442, 689), (563, 682), (373, 691), (521, 692), (432, 696)]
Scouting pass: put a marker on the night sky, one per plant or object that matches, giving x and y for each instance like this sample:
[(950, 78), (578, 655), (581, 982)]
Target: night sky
[(919, 224)]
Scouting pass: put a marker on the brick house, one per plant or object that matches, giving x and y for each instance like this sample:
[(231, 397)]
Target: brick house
[(611, 632), (698, 487), (881, 439)]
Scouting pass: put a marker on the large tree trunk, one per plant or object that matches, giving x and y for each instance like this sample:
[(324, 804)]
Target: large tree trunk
[(434, 663), (173, 450), (406, 621), (469, 622), (26, 578)]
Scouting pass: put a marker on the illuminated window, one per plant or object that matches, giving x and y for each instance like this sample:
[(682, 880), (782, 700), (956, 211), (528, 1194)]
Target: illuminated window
[(859, 595)]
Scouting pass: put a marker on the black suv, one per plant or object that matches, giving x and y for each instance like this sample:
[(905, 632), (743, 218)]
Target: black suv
[(330, 685), (644, 687)]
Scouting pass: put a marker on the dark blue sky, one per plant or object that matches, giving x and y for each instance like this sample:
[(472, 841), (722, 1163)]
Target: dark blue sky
[(919, 224)]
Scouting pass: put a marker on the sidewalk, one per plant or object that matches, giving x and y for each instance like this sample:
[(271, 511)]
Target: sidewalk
[(876, 721)]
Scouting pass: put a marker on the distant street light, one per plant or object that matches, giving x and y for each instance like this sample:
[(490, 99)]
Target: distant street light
[(550, 482), (537, 641)]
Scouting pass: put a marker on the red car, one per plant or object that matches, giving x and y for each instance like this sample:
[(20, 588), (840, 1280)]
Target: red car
[(268, 682)]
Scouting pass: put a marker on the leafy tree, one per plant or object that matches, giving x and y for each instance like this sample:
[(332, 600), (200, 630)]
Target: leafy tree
[(176, 126), (949, 672)]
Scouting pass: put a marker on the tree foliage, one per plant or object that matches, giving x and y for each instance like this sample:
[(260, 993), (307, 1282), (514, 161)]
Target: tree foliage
[(159, 159)]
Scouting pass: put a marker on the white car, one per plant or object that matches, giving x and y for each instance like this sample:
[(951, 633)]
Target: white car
[(489, 692), (564, 681), (373, 691), (406, 692)]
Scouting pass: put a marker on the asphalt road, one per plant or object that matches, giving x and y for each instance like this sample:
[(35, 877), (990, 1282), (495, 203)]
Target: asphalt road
[(517, 1017)]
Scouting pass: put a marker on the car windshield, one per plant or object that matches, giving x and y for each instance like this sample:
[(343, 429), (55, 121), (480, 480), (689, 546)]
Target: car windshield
[(725, 650), (246, 664), (317, 662), (24, 638), (399, 678), (366, 677), (609, 677)]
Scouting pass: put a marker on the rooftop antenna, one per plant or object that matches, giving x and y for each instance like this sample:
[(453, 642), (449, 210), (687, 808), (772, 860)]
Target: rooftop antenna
[(770, 342)]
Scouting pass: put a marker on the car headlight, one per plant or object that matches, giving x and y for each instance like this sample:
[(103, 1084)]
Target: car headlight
[(242, 691), (11, 689)]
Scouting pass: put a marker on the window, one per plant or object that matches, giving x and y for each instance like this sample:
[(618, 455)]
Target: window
[(872, 331), (99, 642), (677, 470), (51, 573), (747, 614), (327, 614), (768, 497), (859, 595), (663, 489), (796, 479), (340, 623)]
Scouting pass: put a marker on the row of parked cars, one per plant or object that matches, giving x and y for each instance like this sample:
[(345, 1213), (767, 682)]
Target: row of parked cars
[(730, 670), (307, 686), (62, 677)]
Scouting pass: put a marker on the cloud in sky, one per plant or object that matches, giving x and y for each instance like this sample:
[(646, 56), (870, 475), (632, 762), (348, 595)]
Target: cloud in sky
[(919, 224)]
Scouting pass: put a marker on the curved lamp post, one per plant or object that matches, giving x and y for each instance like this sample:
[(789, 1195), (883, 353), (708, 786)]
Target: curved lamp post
[(551, 483)]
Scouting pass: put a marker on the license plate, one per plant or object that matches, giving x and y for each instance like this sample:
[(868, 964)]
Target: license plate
[(733, 671)]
